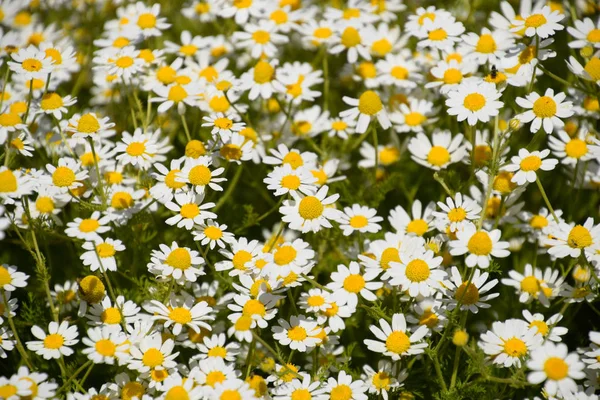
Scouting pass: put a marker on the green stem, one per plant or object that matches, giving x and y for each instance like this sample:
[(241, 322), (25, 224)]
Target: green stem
[(185, 128), (230, 189), (98, 173), (543, 192), (13, 328), (249, 358), (74, 375)]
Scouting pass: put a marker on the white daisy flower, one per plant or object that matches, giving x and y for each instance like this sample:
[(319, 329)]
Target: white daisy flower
[(31, 63), (214, 347), (56, 343), (487, 47), (352, 39), (418, 273), (359, 218), (348, 282), (417, 225), (450, 74), (239, 259), (553, 364), (456, 213), (571, 149), (508, 342), (223, 125), (260, 309), (534, 284), (180, 263), (11, 279), (474, 101), (101, 253), (299, 334), (344, 387), (152, 353), (542, 23), (526, 165), (545, 110), (198, 174), (260, 39), (282, 155), (105, 345), (442, 33), (105, 313), (383, 379), (394, 341), (138, 149), (177, 94), (546, 328), (571, 239), (212, 233), (285, 179), (480, 245), (67, 175), (180, 312), (470, 295), (297, 388), (366, 106), (442, 151), (310, 213), (414, 116), (190, 210)]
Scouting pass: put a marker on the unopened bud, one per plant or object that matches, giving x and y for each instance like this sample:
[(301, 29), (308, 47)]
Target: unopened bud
[(587, 51), (514, 124), (460, 338)]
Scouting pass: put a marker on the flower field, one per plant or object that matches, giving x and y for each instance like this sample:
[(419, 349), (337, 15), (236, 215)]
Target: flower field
[(299, 199)]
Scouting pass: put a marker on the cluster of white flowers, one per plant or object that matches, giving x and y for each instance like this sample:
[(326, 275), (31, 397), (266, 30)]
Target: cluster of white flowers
[(329, 199)]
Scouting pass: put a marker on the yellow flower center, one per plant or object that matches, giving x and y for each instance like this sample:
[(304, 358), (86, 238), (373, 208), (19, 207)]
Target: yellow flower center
[(531, 163), (180, 315), (8, 182), (556, 368), (254, 307), (354, 283), (397, 342), (438, 156), (5, 277), (414, 119), (217, 351), (593, 68), (594, 36), (170, 180), (242, 3), (231, 152), (291, 182), (121, 200), (54, 341), (263, 72), (230, 395), (332, 310), (188, 49), (132, 390), (369, 103), (44, 204), (124, 62), (350, 37), (430, 16), (301, 394), (105, 250), (10, 119), (111, 316), (7, 391), (88, 124), (535, 21), (486, 44), (530, 284), (261, 37), (381, 47), (240, 258), (381, 380), (285, 255), (297, 333), (576, 148), (189, 210), (63, 177), (515, 347), (315, 301), (152, 358), (91, 289), (544, 107), (474, 102), (279, 16), (541, 326), (322, 33), (503, 182), (177, 93), (457, 214), (358, 221), (429, 319), (483, 153), (538, 222), (146, 21), (179, 258), (293, 159), (391, 254), (51, 101), (579, 237), (437, 35), (166, 75), (452, 76), (213, 233), (417, 270), (194, 149), (418, 226), (367, 70), (105, 348), (389, 155), (199, 175), (243, 323), (341, 392), (177, 393), (31, 65), (467, 295), (480, 244), (310, 207)]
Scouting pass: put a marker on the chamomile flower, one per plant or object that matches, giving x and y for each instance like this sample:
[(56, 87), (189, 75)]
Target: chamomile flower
[(100, 254), (260, 309), (418, 273), (241, 10), (212, 233), (366, 106), (178, 94), (260, 80), (532, 284), (470, 293), (260, 39), (106, 345), (526, 165), (399, 70), (556, 367), (11, 279), (311, 212), (414, 116), (125, 64), (442, 33), (298, 388), (359, 218), (544, 111), (417, 223), (55, 105), (138, 149), (105, 313), (56, 343), (344, 387), (198, 174), (448, 75), (180, 312), (572, 239), (31, 63), (543, 23), (239, 259), (215, 347), (223, 125), (67, 175), (152, 353), (190, 210), (488, 47), (508, 342), (457, 212), (299, 334), (589, 72), (474, 101), (349, 282), (285, 179), (570, 149), (546, 327), (585, 34), (480, 245), (395, 340), (352, 39), (442, 151), (179, 263), (293, 157)]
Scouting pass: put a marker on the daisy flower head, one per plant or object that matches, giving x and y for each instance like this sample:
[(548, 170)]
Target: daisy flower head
[(176, 386), (440, 152), (456, 212), (105, 313), (417, 223), (533, 284), (340, 127), (470, 293), (261, 81), (414, 116), (138, 149), (56, 343), (215, 347), (89, 125), (572, 239), (545, 111), (571, 149), (285, 179), (311, 212), (474, 101), (125, 64), (197, 173), (509, 342), (351, 37), (55, 105), (66, 295), (488, 46), (100, 254), (67, 176), (350, 282), (585, 34), (295, 158), (418, 273), (177, 94), (260, 39), (14, 184), (190, 210), (239, 259), (146, 20), (480, 245), (212, 233), (395, 340), (359, 218), (31, 63), (298, 388), (556, 367), (589, 72), (399, 70), (260, 310), (366, 106), (237, 149), (546, 327), (11, 278), (179, 263), (541, 22), (441, 33), (448, 75), (343, 387), (299, 333), (526, 164), (182, 312), (383, 379), (106, 345), (152, 353), (241, 11), (14, 388), (223, 125)]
